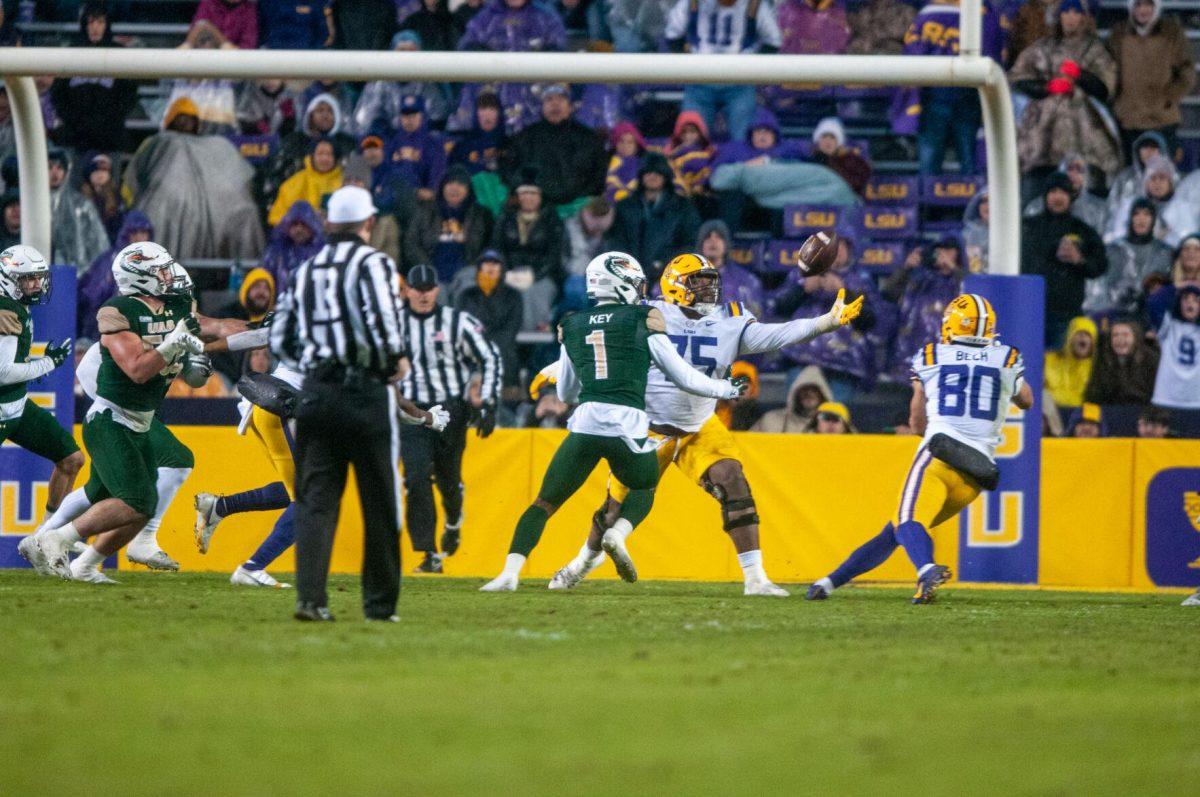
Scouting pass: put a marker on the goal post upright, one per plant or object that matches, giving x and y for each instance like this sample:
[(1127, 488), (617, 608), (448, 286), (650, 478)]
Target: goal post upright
[(969, 69)]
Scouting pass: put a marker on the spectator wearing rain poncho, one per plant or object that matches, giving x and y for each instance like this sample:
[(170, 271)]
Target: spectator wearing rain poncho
[(1178, 215), (1131, 259), (1069, 369), (922, 289), (320, 177), (1085, 206), (79, 233)]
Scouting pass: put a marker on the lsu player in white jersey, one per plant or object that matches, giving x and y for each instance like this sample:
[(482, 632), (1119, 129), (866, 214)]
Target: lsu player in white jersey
[(710, 336), (961, 390)]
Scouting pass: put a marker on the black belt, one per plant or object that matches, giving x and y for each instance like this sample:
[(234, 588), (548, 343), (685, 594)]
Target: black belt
[(666, 430)]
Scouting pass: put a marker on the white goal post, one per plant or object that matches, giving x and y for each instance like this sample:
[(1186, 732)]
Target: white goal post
[(18, 66)]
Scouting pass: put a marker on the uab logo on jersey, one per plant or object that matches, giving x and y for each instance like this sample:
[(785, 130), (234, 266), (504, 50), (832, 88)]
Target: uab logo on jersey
[(1173, 528)]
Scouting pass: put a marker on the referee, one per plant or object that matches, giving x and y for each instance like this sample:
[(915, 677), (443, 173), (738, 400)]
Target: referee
[(339, 325), (448, 350)]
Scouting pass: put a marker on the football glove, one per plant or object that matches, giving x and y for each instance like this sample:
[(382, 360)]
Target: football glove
[(59, 352), (484, 419), (178, 342), (546, 376), (438, 418), (841, 313), (741, 384)]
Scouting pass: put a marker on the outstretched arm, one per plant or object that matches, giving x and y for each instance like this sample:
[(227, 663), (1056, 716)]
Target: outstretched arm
[(758, 338), (683, 375), (212, 329)]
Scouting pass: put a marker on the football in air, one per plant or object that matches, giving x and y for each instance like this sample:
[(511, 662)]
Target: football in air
[(818, 253)]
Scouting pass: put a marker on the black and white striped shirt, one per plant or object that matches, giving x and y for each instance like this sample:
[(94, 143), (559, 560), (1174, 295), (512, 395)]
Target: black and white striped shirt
[(446, 347), (342, 308)]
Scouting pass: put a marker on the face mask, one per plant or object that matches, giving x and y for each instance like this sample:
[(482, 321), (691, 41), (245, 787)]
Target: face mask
[(487, 283)]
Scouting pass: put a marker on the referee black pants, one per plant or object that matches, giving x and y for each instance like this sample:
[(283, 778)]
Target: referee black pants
[(428, 457), (339, 425)]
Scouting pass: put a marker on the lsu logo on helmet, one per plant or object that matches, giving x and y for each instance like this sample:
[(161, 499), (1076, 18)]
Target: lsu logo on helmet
[(679, 282), (969, 319)]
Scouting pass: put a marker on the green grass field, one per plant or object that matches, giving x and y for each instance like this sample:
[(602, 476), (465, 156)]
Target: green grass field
[(180, 684)]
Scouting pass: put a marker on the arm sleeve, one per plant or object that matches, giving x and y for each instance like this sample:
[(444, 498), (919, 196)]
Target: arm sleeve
[(684, 376), (13, 372), (250, 339), (568, 385), (485, 355), (758, 338)]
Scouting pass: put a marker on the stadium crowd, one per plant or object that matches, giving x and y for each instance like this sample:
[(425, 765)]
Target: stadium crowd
[(508, 190)]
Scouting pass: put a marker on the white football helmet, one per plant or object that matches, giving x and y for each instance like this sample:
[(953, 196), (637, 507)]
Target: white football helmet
[(147, 268), (615, 276), (24, 274)]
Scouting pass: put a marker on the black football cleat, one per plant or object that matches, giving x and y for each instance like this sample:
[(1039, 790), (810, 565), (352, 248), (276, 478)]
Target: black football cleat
[(816, 593), (451, 539), (432, 563), (927, 585), (309, 612)]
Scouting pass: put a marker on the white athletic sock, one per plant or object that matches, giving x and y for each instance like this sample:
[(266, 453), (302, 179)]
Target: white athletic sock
[(90, 558), (824, 583), (68, 533), (513, 565), (925, 569), (622, 528), (752, 569), (73, 505), (168, 484), (585, 558)]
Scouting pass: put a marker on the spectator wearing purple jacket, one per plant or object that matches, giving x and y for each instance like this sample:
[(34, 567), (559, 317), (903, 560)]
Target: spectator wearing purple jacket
[(813, 27), (922, 288), (298, 236), (236, 19), (514, 26), (691, 154), (738, 284), (96, 285), (417, 154), (627, 146), (761, 145)]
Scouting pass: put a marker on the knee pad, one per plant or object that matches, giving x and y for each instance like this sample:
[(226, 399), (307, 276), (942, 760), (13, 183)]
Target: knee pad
[(732, 491)]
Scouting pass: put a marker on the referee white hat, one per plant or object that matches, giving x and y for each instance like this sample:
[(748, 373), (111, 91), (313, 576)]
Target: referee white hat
[(349, 204)]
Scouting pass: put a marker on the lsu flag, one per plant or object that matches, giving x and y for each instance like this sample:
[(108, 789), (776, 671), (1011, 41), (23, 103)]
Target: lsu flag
[(24, 477), (998, 533)]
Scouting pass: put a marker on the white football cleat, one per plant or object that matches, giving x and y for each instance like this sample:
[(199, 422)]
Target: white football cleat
[(206, 519), (56, 549), (765, 588), (90, 575), (79, 547), (28, 548), (255, 578), (501, 583), (571, 573), (1192, 600), (614, 546), (159, 560)]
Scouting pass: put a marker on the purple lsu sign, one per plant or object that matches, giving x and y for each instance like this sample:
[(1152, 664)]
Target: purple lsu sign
[(1173, 528), (998, 533), (24, 477)]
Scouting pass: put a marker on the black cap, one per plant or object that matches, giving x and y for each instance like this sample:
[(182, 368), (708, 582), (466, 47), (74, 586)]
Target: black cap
[(421, 278)]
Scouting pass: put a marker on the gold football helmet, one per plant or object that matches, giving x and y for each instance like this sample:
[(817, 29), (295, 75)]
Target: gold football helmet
[(969, 319), (692, 281)]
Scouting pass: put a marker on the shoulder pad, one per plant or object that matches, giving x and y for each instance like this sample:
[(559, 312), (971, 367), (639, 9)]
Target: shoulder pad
[(110, 319), (655, 321), (10, 324), (1014, 357)]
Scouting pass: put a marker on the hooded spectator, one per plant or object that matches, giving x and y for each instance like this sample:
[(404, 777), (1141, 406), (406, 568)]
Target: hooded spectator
[(378, 109), (450, 231), (738, 284), (292, 25), (79, 234), (363, 24), (1131, 259), (96, 285), (266, 107), (10, 218), (1063, 74), (196, 190), (922, 292), (627, 145), (975, 233), (1177, 212), (320, 177), (1125, 367), (1087, 420), (1154, 423), (529, 236), (830, 150), (417, 156), (480, 148), (322, 119), (435, 25), (237, 20), (1085, 205), (808, 391), (832, 417), (1177, 384), (1069, 369), (761, 144), (1128, 183), (568, 156), (298, 236), (1063, 250), (878, 27), (654, 224), (514, 26), (100, 187), (1157, 70), (691, 154), (813, 27), (93, 109), (499, 308)]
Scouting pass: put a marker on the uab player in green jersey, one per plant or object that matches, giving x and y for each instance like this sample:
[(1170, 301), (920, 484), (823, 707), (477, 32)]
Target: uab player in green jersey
[(146, 332), (25, 281), (605, 357)]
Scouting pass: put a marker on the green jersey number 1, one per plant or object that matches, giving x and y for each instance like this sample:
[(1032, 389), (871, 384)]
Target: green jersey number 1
[(596, 341)]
